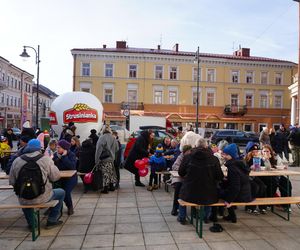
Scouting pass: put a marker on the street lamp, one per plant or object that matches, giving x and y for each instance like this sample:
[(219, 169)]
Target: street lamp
[(197, 60), (298, 95), (37, 61)]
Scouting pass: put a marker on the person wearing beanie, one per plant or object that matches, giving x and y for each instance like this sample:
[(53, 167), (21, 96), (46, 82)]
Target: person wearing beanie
[(157, 163), (27, 130), (94, 136), (237, 187), (64, 159), (50, 173)]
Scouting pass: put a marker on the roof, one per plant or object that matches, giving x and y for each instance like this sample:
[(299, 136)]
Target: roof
[(44, 90), (180, 53)]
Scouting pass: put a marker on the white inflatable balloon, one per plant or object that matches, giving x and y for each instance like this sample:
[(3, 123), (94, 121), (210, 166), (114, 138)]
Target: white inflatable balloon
[(84, 109)]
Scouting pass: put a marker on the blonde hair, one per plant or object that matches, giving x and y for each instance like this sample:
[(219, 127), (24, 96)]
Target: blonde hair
[(77, 142)]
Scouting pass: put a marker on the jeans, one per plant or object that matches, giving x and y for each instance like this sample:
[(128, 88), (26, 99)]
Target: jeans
[(55, 212), (182, 212), (177, 186), (153, 178)]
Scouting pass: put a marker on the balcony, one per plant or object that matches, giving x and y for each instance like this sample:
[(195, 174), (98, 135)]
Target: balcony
[(235, 110), (132, 105)]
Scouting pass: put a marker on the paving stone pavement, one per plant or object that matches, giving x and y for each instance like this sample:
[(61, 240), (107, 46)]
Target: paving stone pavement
[(134, 218)]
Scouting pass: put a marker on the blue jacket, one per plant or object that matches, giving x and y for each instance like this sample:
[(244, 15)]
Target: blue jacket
[(66, 162), (157, 163)]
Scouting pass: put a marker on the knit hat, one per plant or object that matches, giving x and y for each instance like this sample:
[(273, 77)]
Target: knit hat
[(64, 144), (26, 124), (3, 138), (159, 148), (25, 138), (93, 131), (231, 150), (34, 144), (251, 146)]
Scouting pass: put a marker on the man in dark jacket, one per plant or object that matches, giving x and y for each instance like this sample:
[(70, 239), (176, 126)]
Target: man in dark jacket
[(139, 150), (202, 172), (237, 186), (294, 139), (281, 142)]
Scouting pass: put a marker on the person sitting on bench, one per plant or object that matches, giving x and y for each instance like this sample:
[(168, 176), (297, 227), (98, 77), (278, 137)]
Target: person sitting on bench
[(22, 168)]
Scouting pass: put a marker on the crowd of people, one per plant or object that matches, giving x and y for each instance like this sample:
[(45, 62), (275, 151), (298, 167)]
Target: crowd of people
[(201, 178)]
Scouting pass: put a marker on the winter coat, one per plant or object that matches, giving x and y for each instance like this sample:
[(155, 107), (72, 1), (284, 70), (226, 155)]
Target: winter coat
[(94, 138), (118, 156), (66, 162), (264, 138), (238, 184), (157, 163), (202, 173), (138, 151), (107, 144), (10, 138), (294, 137), (175, 167), (86, 156), (49, 171), (280, 141)]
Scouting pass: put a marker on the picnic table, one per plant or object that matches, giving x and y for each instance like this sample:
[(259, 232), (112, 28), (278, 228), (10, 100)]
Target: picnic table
[(63, 174)]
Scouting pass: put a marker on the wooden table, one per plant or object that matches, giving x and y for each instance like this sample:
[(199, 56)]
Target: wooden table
[(63, 174)]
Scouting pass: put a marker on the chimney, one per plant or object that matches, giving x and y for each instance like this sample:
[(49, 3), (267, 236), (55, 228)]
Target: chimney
[(104, 46), (242, 52), (176, 47), (158, 47), (121, 45)]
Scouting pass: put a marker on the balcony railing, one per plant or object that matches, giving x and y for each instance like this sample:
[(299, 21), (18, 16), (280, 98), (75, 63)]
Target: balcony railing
[(132, 105), (235, 110)]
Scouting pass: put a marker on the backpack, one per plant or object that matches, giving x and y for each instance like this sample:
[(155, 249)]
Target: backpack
[(29, 184)]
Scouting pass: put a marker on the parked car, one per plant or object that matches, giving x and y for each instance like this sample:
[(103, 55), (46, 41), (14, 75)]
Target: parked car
[(239, 137)]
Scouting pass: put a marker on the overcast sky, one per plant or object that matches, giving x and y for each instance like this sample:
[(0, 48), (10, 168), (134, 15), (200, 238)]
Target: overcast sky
[(268, 27)]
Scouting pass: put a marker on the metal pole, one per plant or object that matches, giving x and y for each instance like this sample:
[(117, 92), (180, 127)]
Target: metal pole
[(298, 96), (197, 99), (37, 86)]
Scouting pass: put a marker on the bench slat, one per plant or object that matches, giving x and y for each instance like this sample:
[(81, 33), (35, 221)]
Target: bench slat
[(256, 202), (45, 205)]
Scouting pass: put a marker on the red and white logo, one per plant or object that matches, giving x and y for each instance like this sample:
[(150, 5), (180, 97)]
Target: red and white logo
[(53, 119), (80, 113)]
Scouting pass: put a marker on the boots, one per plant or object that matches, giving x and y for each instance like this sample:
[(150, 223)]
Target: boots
[(70, 210), (105, 190), (138, 182), (111, 187)]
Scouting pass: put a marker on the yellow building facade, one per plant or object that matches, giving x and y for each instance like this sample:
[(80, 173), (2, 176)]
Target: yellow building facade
[(235, 91)]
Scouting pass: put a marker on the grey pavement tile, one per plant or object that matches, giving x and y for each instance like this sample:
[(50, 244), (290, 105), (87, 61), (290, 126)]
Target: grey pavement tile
[(164, 247), (127, 210), (166, 210), (15, 232), (100, 219), (130, 248), (243, 234), (152, 227), (107, 200), (82, 220), (105, 211), (273, 236), (164, 203), (186, 237), (101, 229), (40, 243), (126, 204), (85, 205), (67, 242), (276, 221), (292, 231), (128, 228), (10, 243), (255, 222), (225, 245), (169, 217), (287, 244), (175, 226), (145, 198), (149, 210), (106, 205), (255, 244), (104, 240), (128, 218), (150, 203), (152, 218), (127, 240), (211, 237), (162, 238), (84, 211), (73, 230), (50, 232), (193, 246), (265, 229)]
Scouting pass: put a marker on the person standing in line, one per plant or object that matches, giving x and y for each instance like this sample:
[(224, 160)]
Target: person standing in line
[(94, 136), (264, 137), (64, 159), (106, 149), (117, 161)]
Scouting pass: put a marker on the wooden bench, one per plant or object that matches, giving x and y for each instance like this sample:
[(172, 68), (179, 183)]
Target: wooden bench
[(162, 173), (6, 187), (197, 210), (35, 214)]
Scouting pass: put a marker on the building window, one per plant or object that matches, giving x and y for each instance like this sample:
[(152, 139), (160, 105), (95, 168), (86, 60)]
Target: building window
[(29, 103), (16, 102), (278, 78), (194, 96), (263, 102), (2, 98), (132, 71), (173, 73), (211, 75), (210, 98), (87, 90), (158, 96), (159, 72), (108, 95), (172, 97), (11, 101), (249, 77), (278, 101), (264, 78), (249, 100), (85, 87), (132, 95), (109, 70), (234, 100), (195, 74), (7, 100), (248, 127), (86, 69), (234, 76)]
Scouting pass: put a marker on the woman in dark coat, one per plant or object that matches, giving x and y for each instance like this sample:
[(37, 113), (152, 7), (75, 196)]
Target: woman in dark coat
[(237, 187), (139, 150), (86, 159), (94, 136), (64, 159)]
